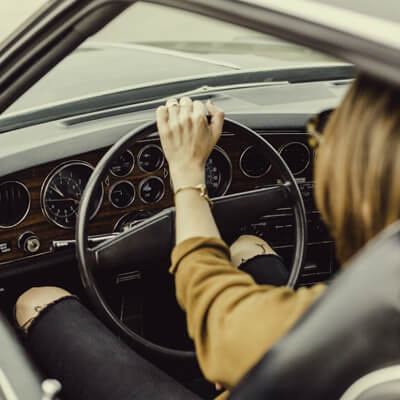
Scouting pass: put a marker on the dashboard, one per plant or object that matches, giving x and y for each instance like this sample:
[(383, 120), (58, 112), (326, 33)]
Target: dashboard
[(39, 205), (45, 168)]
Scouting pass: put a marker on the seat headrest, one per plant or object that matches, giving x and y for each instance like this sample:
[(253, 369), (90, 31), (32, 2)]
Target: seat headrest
[(353, 329)]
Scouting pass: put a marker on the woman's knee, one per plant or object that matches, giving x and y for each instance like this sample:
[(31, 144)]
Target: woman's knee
[(247, 247), (34, 300)]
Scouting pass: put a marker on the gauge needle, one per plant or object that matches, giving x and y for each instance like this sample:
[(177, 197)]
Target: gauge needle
[(58, 191)]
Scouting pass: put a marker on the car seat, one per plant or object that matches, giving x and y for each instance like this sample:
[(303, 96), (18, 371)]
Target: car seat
[(347, 346)]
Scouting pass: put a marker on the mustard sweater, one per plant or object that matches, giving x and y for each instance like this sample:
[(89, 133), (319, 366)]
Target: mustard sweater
[(232, 320)]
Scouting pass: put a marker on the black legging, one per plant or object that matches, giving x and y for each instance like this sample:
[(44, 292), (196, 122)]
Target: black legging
[(72, 345)]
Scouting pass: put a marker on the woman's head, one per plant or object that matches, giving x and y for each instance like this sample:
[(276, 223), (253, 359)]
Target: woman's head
[(357, 172)]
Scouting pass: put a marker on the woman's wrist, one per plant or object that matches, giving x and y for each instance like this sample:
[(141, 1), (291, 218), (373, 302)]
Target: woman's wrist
[(190, 177)]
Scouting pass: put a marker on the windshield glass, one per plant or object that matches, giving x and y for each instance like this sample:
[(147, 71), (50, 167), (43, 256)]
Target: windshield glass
[(151, 44)]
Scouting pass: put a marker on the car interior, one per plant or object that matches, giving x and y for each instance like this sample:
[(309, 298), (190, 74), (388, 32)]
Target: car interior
[(49, 153)]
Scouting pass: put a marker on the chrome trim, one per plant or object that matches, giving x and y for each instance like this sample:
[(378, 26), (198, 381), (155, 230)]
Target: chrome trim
[(287, 246), (5, 387), (143, 182), (141, 152), (216, 89), (118, 222), (62, 244), (244, 172), (49, 178), (113, 187), (28, 208), (130, 171), (272, 216), (225, 155), (305, 146)]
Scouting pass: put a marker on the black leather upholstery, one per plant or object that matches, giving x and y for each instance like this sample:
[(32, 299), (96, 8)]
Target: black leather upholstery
[(352, 330)]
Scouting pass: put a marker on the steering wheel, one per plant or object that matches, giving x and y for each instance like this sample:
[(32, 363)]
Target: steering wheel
[(138, 246)]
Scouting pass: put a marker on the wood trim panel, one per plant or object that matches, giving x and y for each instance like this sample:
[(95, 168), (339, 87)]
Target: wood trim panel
[(108, 215)]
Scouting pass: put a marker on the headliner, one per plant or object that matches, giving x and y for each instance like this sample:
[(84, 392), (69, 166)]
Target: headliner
[(385, 9)]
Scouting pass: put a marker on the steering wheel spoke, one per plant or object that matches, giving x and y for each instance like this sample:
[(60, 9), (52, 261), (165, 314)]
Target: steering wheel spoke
[(152, 240), (147, 242), (236, 210)]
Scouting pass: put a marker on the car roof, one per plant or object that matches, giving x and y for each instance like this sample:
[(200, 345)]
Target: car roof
[(386, 9), (358, 31), (356, 18)]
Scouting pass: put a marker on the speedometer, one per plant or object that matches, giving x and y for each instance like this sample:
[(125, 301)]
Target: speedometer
[(218, 173), (62, 192)]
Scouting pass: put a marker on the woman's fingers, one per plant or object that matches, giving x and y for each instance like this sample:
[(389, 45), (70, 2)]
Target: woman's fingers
[(199, 111), (186, 103), (217, 119), (162, 119), (172, 102), (184, 120), (185, 112), (173, 115)]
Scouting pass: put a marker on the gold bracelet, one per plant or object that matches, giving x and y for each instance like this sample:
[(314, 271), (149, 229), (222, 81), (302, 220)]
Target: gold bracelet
[(201, 188)]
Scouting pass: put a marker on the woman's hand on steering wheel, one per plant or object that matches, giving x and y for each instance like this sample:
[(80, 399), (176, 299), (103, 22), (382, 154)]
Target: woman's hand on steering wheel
[(188, 138)]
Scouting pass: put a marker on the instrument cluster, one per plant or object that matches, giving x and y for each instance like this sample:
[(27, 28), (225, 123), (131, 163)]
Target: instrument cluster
[(63, 188), (39, 206)]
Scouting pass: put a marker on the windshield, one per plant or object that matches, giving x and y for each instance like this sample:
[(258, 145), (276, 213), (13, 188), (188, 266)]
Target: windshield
[(151, 44)]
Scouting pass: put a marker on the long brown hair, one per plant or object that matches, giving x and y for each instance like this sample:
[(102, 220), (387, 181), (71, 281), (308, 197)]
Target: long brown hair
[(357, 174)]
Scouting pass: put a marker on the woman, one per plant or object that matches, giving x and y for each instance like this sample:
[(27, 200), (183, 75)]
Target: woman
[(232, 320)]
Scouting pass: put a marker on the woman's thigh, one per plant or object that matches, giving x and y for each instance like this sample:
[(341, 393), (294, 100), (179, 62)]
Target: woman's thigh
[(73, 346)]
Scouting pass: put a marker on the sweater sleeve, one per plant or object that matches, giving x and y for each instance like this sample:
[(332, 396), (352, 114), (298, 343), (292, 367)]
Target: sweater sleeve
[(232, 320)]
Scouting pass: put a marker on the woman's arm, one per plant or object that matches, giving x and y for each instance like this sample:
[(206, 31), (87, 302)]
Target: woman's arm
[(188, 140), (231, 319)]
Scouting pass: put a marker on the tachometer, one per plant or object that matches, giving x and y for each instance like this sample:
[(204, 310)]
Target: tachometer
[(218, 173), (62, 192)]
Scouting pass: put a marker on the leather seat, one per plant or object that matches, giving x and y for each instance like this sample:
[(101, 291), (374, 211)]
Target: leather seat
[(350, 332)]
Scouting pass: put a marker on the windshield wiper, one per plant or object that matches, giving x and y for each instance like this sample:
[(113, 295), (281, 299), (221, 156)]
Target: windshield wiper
[(144, 96), (213, 89), (201, 93)]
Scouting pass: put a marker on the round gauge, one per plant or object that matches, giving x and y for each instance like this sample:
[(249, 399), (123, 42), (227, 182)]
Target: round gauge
[(297, 156), (123, 165), (126, 222), (254, 163), (122, 194), (62, 192), (218, 173), (150, 158), (151, 190), (15, 201)]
